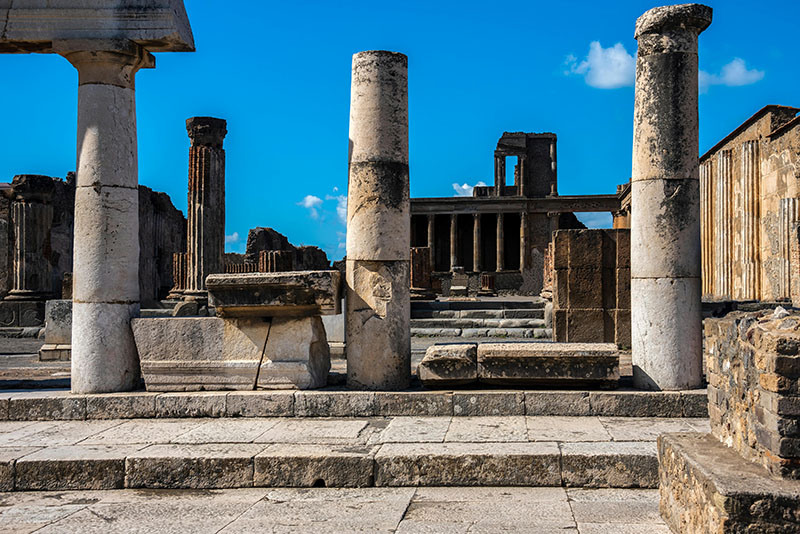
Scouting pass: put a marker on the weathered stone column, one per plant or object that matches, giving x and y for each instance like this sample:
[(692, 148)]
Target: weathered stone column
[(453, 241), (750, 210), (431, 241), (476, 242), (665, 229), (106, 249), (378, 225), (501, 244), (523, 241), (205, 247), (32, 215)]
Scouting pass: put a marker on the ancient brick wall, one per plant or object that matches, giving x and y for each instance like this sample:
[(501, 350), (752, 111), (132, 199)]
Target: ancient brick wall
[(592, 284), (753, 372)]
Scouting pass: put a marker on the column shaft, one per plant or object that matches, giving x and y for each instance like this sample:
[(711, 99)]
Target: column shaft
[(432, 241), (453, 241), (523, 241), (476, 242), (665, 230), (501, 244), (378, 225)]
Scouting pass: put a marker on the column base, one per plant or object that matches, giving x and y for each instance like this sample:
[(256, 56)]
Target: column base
[(198, 296), (26, 295)]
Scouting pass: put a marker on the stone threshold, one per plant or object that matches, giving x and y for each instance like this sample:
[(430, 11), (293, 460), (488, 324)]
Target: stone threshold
[(244, 465), (56, 405)]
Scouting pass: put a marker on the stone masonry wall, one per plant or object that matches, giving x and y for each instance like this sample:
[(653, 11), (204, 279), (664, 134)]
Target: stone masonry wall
[(753, 372), (591, 289)]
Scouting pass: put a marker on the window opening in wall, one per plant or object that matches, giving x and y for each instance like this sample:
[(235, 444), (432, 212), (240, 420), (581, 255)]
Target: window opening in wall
[(596, 220), (511, 167)]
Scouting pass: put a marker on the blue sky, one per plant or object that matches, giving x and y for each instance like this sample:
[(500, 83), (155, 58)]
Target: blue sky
[(279, 72)]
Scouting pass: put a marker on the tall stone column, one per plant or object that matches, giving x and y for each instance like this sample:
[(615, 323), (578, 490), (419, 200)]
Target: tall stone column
[(476, 242), (432, 241), (106, 249), (707, 233), (751, 271), (378, 225), (453, 241), (665, 229), (32, 215), (501, 244), (205, 247), (523, 241)]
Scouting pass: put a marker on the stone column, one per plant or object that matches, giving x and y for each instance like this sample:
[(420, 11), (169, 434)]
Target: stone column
[(707, 226), (499, 174), (32, 216), (476, 242), (378, 225), (431, 241), (453, 241), (665, 229), (106, 249), (523, 241), (724, 237), (751, 270), (205, 247), (501, 245)]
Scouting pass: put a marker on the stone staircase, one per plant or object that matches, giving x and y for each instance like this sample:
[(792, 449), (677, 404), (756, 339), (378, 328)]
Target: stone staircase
[(489, 318)]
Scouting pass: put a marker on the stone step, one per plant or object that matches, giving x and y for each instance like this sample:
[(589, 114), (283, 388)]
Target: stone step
[(477, 323), (536, 303), (525, 313), (208, 465), (55, 405), (517, 333)]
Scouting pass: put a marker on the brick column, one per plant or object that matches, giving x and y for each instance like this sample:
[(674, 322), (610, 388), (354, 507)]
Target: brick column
[(501, 245), (476, 242)]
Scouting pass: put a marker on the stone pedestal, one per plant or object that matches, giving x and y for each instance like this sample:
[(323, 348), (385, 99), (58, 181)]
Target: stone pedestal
[(205, 251), (106, 250), (297, 355), (57, 331), (665, 228), (378, 225)]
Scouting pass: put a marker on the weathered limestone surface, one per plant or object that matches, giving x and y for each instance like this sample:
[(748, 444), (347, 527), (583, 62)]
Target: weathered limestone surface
[(293, 293), (206, 204), (186, 354), (665, 227), (378, 224), (707, 487), (57, 330), (449, 365), (296, 355), (548, 363)]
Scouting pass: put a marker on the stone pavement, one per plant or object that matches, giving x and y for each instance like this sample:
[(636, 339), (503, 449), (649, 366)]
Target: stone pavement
[(203, 453), (327, 510)]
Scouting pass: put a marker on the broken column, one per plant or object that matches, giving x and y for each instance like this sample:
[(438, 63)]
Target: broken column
[(665, 229), (206, 204), (378, 224)]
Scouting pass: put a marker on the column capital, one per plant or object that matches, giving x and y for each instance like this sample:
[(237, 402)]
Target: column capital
[(206, 131), (683, 17), (105, 61), (32, 188)]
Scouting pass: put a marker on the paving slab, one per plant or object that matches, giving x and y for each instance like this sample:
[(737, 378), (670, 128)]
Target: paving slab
[(55, 434), (46, 406), (8, 458), (191, 404), (487, 429), (556, 428), (260, 404), (316, 431), (121, 405), (609, 464), (227, 431), (414, 430), (88, 467), (302, 465), (473, 403), (644, 428)]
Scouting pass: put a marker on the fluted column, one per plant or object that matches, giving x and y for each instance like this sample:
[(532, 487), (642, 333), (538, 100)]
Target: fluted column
[(476, 242), (751, 270), (205, 247), (501, 244), (453, 241), (707, 233), (665, 230), (106, 249), (432, 241), (32, 216), (724, 226), (378, 225), (788, 216)]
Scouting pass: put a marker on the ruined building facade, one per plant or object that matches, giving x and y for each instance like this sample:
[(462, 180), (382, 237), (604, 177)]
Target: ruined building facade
[(750, 204), (503, 229)]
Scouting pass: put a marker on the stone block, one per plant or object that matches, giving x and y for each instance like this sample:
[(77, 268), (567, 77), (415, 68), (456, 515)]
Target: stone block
[(631, 464), (334, 404), (623, 288), (488, 403), (293, 293), (636, 403), (468, 464), (191, 354), (561, 289), (297, 355), (585, 287), (548, 363), (586, 325), (260, 404), (560, 326), (204, 466), (561, 242), (74, 467), (622, 328), (449, 365), (623, 241), (134, 405), (191, 404), (586, 249), (707, 487), (566, 403), (8, 457), (413, 403), (58, 322), (299, 465), (46, 406), (54, 353)]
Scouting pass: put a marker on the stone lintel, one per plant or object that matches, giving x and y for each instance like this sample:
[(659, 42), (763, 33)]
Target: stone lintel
[(688, 17), (156, 25), (291, 293)]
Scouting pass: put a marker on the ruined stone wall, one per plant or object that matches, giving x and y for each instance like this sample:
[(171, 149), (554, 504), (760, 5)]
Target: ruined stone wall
[(306, 258), (592, 284), (6, 245), (753, 372)]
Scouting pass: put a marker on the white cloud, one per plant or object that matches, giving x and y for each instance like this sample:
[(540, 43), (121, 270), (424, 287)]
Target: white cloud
[(734, 74), (596, 220), (604, 68), (465, 190), (231, 239), (341, 205), (311, 203)]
